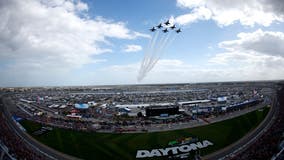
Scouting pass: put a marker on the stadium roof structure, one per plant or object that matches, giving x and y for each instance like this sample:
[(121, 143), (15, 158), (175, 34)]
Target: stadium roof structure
[(195, 101), (81, 106), (131, 105), (222, 99), (142, 105)]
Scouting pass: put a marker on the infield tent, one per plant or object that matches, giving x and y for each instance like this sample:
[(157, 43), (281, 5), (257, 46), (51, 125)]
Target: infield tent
[(81, 106)]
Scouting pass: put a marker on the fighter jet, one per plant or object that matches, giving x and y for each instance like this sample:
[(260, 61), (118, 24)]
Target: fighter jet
[(165, 30), (173, 27), (160, 25), (167, 23), (153, 29), (179, 30)]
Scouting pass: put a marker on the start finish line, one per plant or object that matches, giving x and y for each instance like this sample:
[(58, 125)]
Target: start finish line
[(173, 150)]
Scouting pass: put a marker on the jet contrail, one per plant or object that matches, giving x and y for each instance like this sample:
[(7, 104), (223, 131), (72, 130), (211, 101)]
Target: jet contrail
[(155, 54), (146, 52), (153, 45), (147, 59), (159, 51), (156, 47)]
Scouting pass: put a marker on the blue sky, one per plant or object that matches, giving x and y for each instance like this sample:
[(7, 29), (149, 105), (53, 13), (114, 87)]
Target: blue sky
[(72, 42)]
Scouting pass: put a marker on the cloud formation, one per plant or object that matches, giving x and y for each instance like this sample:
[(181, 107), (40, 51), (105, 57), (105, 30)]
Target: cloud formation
[(265, 42), (132, 48), (260, 53), (55, 33), (257, 46), (178, 71), (254, 55), (227, 12), (42, 41)]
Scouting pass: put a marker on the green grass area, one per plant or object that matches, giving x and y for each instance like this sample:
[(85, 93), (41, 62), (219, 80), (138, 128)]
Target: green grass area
[(124, 146)]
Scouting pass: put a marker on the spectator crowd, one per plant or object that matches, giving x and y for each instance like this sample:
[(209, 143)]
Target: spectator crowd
[(268, 144), (16, 145)]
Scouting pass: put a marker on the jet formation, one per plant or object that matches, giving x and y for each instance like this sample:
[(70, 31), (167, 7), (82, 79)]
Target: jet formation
[(164, 35), (165, 27)]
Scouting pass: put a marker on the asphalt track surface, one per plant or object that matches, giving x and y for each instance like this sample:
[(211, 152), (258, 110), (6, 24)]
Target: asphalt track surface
[(200, 122), (221, 154), (48, 152), (248, 139)]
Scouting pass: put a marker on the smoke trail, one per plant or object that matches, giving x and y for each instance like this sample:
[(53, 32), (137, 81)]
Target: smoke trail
[(153, 45), (159, 51), (148, 49), (148, 58), (145, 58), (155, 50), (155, 53), (162, 51)]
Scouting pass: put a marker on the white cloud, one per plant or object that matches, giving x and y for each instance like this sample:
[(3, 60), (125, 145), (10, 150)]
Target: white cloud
[(227, 12), (259, 54), (82, 6), (177, 71), (54, 34), (51, 31), (132, 48), (266, 42), (138, 34), (253, 56), (42, 40), (255, 46), (166, 70), (201, 13)]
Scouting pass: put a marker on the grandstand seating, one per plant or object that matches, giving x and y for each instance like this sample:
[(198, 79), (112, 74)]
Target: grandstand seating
[(267, 145)]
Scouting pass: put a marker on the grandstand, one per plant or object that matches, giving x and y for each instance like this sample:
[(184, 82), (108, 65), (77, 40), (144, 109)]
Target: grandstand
[(4, 152), (270, 145), (195, 112), (14, 147)]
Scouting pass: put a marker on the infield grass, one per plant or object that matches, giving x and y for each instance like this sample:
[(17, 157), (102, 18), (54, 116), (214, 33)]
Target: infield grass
[(124, 146)]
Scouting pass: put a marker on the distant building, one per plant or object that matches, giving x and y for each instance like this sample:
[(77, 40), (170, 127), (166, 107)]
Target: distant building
[(162, 110), (222, 100), (92, 103), (81, 106)]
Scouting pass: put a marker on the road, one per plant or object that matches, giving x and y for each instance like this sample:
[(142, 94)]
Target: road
[(240, 145), (247, 140), (200, 122), (48, 152), (190, 124)]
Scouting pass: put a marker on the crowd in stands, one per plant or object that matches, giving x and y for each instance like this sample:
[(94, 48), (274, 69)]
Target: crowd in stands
[(263, 148), (16, 146), (268, 144)]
